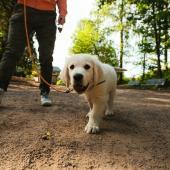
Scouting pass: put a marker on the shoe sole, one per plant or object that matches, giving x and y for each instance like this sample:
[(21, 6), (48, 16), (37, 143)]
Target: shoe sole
[(46, 104)]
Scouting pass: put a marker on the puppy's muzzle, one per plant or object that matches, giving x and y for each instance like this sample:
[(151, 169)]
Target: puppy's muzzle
[(78, 83), (78, 78)]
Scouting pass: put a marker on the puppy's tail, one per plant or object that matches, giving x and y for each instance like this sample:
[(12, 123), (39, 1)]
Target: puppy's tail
[(117, 69)]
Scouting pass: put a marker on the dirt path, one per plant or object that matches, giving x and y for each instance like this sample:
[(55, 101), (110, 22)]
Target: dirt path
[(136, 138)]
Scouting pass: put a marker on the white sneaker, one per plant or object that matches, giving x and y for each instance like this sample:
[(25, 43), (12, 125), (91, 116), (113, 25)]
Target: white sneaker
[(1, 95), (45, 101)]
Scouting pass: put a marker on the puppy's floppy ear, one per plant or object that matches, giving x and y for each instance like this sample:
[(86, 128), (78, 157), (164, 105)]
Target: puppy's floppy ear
[(64, 75), (97, 72)]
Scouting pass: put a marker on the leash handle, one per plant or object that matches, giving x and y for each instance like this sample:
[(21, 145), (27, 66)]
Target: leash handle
[(60, 28)]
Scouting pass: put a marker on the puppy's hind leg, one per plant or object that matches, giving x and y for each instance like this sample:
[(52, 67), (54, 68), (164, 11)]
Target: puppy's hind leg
[(90, 107), (109, 110)]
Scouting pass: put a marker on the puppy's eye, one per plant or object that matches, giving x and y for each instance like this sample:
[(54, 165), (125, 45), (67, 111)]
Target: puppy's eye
[(72, 67), (86, 66)]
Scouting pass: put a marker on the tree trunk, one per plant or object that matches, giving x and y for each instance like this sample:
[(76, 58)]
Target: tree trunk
[(121, 55), (144, 66), (158, 42), (121, 42), (166, 39), (166, 52)]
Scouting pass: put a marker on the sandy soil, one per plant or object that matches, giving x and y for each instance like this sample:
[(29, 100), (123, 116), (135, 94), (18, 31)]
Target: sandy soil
[(33, 137)]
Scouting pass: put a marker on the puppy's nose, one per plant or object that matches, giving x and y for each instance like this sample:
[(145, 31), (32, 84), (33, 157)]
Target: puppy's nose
[(78, 77)]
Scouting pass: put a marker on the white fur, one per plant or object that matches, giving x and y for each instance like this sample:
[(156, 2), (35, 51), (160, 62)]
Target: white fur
[(99, 94)]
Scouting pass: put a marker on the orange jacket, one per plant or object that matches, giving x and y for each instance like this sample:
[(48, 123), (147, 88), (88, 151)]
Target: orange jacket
[(47, 5)]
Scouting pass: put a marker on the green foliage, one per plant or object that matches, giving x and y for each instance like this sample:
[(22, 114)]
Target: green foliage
[(166, 75), (60, 83), (150, 20), (85, 37), (113, 14), (28, 63), (6, 9), (153, 74), (34, 73), (89, 39)]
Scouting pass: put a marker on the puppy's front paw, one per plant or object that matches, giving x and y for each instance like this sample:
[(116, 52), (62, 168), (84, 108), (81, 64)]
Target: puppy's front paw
[(91, 128), (109, 113)]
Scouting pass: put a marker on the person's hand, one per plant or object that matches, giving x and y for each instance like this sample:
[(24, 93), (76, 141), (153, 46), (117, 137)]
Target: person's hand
[(61, 20)]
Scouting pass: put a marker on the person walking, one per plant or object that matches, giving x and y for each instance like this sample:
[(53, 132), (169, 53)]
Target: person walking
[(41, 19)]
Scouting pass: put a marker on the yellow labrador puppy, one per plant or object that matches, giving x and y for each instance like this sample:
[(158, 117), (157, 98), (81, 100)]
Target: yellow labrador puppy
[(86, 74)]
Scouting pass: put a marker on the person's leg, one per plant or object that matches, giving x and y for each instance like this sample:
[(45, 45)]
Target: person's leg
[(1, 94), (46, 35), (14, 49)]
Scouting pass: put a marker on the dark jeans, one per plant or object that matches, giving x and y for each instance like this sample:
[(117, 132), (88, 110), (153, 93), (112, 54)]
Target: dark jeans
[(43, 24)]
